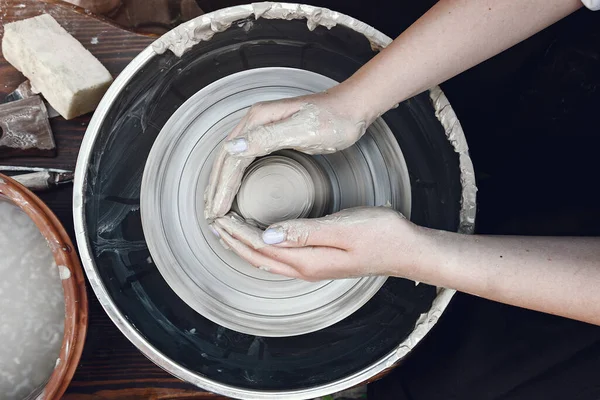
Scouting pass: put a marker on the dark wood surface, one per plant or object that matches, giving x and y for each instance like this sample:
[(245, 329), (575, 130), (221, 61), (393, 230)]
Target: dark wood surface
[(110, 367)]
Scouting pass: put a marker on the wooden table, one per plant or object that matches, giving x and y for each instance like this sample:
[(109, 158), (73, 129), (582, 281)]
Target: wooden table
[(111, 367)]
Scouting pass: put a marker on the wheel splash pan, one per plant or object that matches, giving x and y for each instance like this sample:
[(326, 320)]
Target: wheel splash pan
[(136, 297), (216, 282)]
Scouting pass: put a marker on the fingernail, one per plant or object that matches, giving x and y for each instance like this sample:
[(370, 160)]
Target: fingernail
[(214, 231), (236, 216), (273, 236), (264, 268), (225, 245), (236, 146)]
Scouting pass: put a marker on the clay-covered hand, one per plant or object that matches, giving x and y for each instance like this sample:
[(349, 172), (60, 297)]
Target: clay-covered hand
[(351, 243), (316, 124)]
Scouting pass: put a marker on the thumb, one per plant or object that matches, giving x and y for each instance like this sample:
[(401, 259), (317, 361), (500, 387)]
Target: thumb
[(319, 232)]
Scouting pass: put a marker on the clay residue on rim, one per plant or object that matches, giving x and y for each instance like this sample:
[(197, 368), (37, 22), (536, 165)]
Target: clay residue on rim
[(185, 36), (454, 132)]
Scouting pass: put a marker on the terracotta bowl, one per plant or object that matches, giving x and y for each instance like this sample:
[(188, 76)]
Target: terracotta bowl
[(76, 304)]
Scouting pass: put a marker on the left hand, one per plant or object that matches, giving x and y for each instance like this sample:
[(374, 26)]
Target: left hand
[(351, 243), (319, 123)]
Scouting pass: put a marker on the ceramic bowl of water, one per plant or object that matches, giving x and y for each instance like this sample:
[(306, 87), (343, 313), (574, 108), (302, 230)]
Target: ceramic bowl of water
[(43, 302)]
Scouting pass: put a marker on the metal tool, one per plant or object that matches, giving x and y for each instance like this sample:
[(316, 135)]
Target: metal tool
[(39, 179)]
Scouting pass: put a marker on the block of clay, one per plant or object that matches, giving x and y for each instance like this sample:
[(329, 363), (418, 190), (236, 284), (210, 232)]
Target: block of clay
[(71, 79)]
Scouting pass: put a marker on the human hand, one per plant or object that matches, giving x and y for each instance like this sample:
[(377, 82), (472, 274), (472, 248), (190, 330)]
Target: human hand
[(316, 124), (351, 243)]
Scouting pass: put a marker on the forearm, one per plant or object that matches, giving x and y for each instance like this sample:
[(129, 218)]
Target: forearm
[(450, 38), (554, 275)]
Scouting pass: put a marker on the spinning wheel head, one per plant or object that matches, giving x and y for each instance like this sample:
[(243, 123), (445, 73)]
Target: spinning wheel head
[(194, 308), (275, 189)]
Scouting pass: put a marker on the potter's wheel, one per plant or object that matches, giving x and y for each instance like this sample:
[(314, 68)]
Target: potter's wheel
[(216, 282), (117, 257)]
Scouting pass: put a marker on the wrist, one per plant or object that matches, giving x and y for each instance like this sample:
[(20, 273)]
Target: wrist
[(356, 101), (432, 255)]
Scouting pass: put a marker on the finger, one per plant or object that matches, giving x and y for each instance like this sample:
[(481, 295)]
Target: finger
[(306, 258), (221, 188), (213, 181), (255, 258), (290, 133), (292, 127), (311, 263), (241, 230), (265, 113), (321, 232), (268, 112), (240, 127), (228, 183), (296, 233)]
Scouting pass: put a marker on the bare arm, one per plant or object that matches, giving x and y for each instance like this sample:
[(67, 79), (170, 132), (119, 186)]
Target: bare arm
[(450, 38), (554, 275)]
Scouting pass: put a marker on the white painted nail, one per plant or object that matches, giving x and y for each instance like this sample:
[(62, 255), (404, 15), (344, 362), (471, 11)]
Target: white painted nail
[(236, 146), (273, 236), (214, 231), (264, 268)]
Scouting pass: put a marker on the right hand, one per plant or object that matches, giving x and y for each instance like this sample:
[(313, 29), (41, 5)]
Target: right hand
[(348, 244), (315, 124)]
